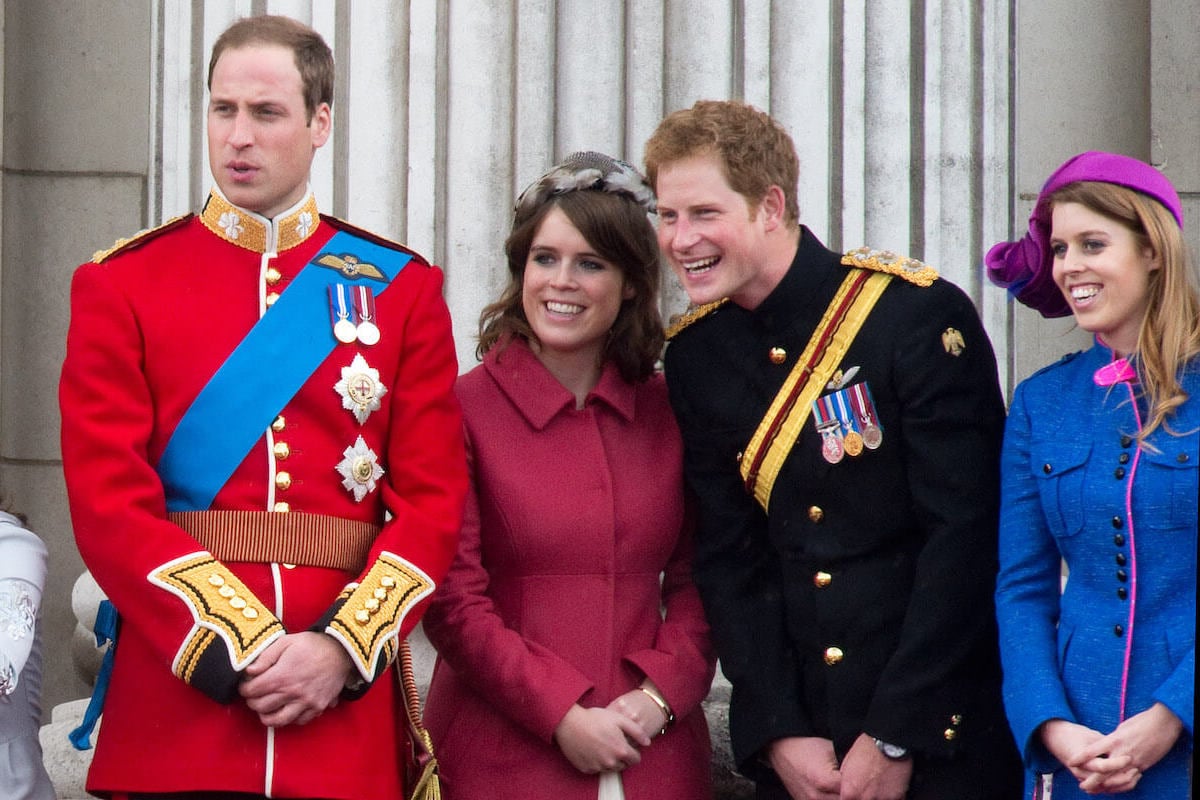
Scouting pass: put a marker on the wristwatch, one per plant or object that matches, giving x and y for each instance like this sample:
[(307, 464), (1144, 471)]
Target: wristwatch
[(893, 752)]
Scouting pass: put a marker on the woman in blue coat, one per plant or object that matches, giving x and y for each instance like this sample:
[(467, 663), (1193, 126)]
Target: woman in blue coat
[(1099, 471)]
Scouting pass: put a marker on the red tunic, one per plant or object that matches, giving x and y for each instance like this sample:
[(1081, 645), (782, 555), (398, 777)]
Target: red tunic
[(150, 324)]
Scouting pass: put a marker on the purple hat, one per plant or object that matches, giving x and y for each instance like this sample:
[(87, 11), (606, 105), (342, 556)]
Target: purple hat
[(1024, 267)]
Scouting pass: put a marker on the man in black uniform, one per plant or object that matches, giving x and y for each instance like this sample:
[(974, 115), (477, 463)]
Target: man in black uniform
[(842, 422)]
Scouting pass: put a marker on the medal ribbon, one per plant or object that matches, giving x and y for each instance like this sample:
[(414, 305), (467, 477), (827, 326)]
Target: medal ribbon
[(780, 427), (242, 398)]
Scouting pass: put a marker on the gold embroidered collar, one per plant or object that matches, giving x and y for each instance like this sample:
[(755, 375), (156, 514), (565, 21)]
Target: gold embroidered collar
[(254, 232)]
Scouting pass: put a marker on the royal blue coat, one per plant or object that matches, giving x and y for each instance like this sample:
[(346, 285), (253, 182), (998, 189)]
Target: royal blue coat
[(1121, 635)]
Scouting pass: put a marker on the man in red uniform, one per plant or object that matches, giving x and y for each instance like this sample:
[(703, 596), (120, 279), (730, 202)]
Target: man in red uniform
[(264, 461)]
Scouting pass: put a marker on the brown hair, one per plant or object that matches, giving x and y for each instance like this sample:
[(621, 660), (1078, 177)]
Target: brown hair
[(1170, 332), (618, 229), (755, 151), (314, 60)]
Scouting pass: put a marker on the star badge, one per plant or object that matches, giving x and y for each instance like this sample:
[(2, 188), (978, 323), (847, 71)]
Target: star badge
[(359, 469), (360, 389)]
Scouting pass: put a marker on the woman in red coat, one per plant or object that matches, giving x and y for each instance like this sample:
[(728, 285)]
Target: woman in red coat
[(573, 648)]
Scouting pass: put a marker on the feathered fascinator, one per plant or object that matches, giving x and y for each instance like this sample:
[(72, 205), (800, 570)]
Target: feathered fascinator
[(588, 171)]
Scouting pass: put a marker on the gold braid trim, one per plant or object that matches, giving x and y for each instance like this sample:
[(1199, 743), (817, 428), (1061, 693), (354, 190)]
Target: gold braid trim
[(248, 230), (911, 270), (219, 603), (368, 623), (693, 314), (149, 233)]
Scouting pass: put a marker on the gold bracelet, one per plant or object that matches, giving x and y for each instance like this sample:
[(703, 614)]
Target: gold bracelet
[(668, 714)]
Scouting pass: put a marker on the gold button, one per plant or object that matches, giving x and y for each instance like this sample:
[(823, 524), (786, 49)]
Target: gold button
[(956, 720), (237, 602), (949, 734), (289, 566), (816, 514), (281, 450), (227, 591), (387, 581), (282, 507), (216, 580), (283, 480), (249, 613), (279, 424), (273, 276), (371, 604), (380, 594), (833, 655), (822, 579), (362, 617), (271, 298), (778, 355), (740, 456)]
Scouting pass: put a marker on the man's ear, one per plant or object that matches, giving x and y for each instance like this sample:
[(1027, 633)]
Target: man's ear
[(773, 207), (320, 125)]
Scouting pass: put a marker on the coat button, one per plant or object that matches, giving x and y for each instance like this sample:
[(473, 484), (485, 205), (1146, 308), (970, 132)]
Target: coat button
[(1118, 523), (1121, 559), (273, 276), (777, 355), (282, 507), (1119, 540), (1182, 458), (1046, 468), (1123, 458), (271, 298), (1118, 630), (822, 579), (1121, 593), (281, 450), (833, 655), (278, 424), (1119, 473), (816, 514), (283, 481), (1126, 441), (949, 734), (1122, 576)]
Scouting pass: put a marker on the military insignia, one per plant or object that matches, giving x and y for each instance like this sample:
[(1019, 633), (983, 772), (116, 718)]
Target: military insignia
[(359, 469), (341, 311), (101, 255), (350, 266), (910, 269), (862, 405), (364, 307), (840, 379), (693, 314), (952, 340), (360, 389)]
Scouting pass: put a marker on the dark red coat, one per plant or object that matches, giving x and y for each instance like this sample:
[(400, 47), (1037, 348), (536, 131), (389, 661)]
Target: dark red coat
[(150, 324), (555, 595)]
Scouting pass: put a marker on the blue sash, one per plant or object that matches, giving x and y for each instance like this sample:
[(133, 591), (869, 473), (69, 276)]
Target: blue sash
[(265, 371)]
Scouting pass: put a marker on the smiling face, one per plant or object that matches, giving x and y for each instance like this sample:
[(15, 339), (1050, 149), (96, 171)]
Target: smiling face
[(571, 295), (1104, 273), (712, 238), (260, 138)]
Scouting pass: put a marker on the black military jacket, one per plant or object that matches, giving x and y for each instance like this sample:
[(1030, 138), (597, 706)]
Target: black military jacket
[(863, 601)]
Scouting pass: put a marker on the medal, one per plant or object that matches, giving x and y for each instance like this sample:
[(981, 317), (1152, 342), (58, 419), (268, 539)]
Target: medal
[(360, 389), (359, 469), (852, 440), (339, 309), (364, 305), (864, 409), (831, 447)]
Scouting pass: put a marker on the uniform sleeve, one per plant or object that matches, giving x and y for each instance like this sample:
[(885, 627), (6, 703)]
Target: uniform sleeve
[(22, 577), (682, 662), (1027, 597), (739, 582), (202, 622), (424, 489), (951, 424), (530, 684)]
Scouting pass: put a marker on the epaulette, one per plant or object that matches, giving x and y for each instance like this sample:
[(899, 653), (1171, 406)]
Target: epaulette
[(911, 270), (694, 313), (382, 241), (138, 238)]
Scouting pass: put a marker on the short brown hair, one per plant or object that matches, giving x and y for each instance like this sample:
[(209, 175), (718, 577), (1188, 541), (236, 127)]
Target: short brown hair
[(754, 150), (617, 227), (314, 59)]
